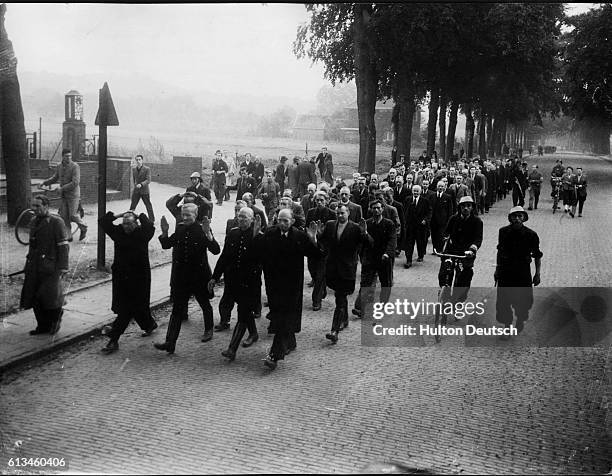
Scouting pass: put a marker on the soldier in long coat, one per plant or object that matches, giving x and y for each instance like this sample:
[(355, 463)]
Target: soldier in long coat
[(46, 262), (282, 252), (131, 273)]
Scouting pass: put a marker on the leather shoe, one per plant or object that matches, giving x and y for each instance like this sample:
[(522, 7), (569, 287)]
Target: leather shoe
[(208, 335), (270, 362), (112, 346), (38, 331), (83, 232), (150, 330), (229, 353), (222, 326), (167, 346), (316, 307), (419, 260), (249, 341), (356, 312), (333, 336), (407, 265)]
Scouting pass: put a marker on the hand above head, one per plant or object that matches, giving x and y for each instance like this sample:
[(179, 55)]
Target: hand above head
[(363, 226), (206, 225), (163, 223), (312, 230), (256, 225)]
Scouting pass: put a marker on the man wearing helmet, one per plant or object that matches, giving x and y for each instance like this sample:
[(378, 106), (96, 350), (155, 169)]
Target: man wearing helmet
[(516, 247), (203, 199), (463, 235)]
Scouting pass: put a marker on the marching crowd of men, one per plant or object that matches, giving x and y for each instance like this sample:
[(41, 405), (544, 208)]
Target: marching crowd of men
[(331, 224)]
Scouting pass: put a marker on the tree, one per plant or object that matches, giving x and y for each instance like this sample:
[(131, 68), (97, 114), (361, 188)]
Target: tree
[(340, 37), (12, 130), (587, 79)]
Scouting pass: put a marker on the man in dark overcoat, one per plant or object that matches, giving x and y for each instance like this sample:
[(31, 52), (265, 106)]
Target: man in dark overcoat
[(190, 271), (418, 218), (282, 254), (131, 273), (377, 257), (316, 263), (341, 239), (517, 246), (240, 264), (46, 263), (442, 210)]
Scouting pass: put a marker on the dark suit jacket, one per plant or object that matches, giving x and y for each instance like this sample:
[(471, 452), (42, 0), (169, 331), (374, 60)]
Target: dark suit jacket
[(442, 210), (307, 202), (355, 212), (324, 215), (141, 176), (361, 198), (244, 185), (306, 173), (341, 253), (415, 215)]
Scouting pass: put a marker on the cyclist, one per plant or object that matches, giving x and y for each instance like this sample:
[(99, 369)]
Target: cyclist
[(463, 235), (557, 172)]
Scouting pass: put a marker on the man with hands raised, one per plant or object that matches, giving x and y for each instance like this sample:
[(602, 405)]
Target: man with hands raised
[(190, 271), (131, 273)]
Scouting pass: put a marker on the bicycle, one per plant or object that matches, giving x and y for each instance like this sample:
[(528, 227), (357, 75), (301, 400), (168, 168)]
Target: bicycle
[(556, 192), (452, 264), (22, 225)]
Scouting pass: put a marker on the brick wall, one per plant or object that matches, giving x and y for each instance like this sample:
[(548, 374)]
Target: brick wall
[(177, 173)]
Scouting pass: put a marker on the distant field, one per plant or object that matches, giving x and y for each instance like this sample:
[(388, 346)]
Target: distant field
[(270, 149)]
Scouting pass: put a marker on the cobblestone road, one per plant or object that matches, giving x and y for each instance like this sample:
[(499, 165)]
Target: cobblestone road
[(327, 408)]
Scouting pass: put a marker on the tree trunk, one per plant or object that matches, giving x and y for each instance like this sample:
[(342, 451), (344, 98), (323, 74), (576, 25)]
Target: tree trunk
[(489, 135), (433, 119), (452, 128), (12, 128), (482, 139), (442, 123), (406, 117), (366, 81), (395, 122), (469, 132)]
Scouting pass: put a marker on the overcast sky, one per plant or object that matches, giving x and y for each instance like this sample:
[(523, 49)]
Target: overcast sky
[(217, 47)]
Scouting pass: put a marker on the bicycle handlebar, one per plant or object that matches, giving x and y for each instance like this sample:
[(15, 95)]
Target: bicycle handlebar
[(443, 255)]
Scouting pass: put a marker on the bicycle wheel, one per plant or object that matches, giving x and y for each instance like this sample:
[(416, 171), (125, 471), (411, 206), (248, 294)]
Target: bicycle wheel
[(440, 317), (22, 226)]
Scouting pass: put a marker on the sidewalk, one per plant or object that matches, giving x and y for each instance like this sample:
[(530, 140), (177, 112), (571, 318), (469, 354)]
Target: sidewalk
[(85, 313)]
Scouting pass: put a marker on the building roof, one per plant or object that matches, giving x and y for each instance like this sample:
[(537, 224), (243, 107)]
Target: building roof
[(309, 121), (73, 92)]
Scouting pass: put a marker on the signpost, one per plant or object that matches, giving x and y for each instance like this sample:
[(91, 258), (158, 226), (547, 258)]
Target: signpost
[(106, 117)]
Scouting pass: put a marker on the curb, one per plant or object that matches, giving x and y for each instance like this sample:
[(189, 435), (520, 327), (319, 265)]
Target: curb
[(65, 342)]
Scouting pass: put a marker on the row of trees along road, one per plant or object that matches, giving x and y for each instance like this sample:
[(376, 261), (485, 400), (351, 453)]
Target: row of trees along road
[(503, 65)]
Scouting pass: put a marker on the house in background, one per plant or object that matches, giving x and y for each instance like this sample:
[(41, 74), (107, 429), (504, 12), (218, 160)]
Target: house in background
[(309, 127), (382, 119)]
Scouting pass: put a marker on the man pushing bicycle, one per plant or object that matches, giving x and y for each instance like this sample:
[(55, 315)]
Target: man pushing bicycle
[(462, 236)]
